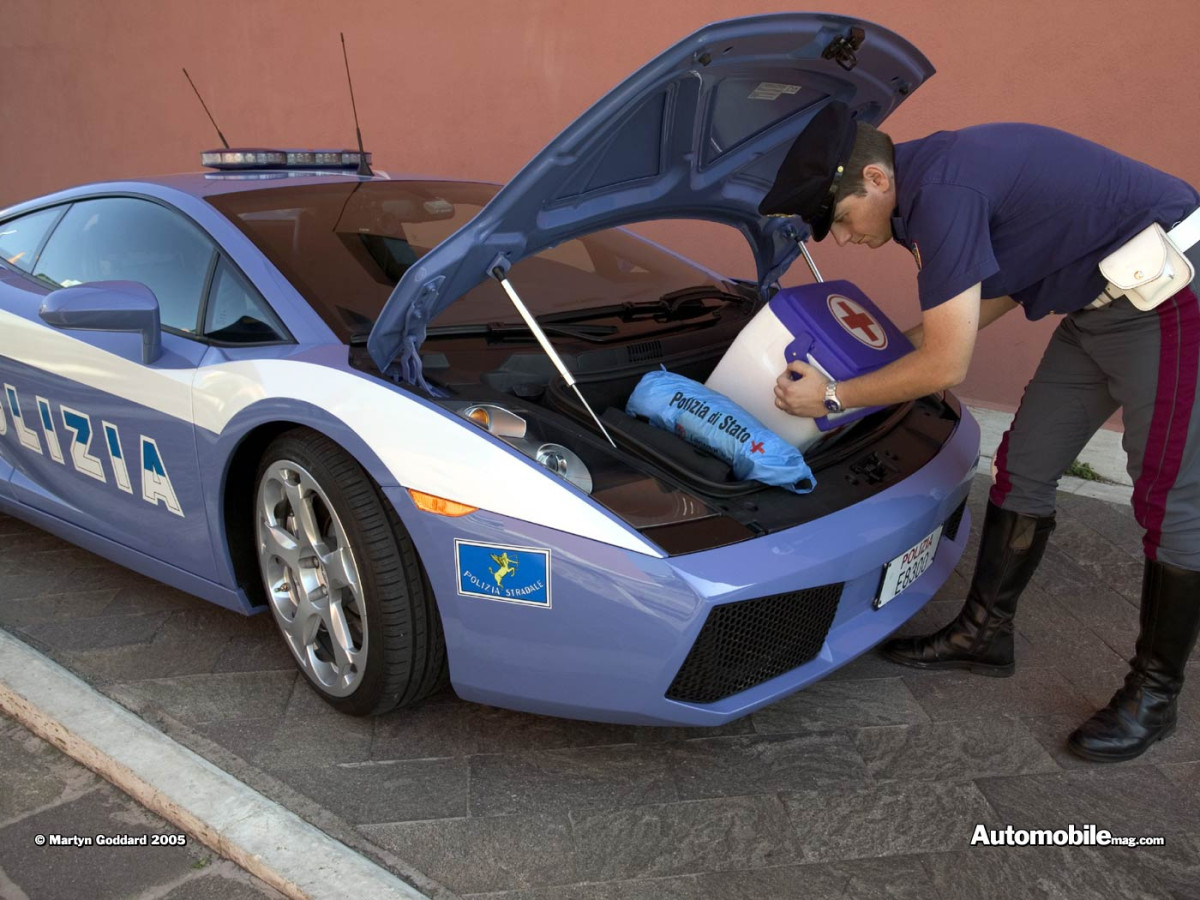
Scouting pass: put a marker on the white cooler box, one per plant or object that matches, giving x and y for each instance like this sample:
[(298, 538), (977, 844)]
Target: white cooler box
[(831, 325)]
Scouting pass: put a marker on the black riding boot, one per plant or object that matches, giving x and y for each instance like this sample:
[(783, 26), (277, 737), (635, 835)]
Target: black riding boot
[(980, 637), (1143, 710)]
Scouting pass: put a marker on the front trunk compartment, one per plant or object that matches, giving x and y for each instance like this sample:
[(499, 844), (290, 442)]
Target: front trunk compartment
[(857, 462), (851, 465)]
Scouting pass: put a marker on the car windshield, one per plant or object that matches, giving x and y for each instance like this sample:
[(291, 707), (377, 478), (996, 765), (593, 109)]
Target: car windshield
[(345, 246)]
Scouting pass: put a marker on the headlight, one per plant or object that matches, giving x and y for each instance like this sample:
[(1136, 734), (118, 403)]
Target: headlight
[(496, 419), (566, 463), (513, 430)]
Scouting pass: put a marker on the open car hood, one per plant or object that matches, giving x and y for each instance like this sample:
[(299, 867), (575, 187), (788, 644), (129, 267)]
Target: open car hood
[(698, 133)]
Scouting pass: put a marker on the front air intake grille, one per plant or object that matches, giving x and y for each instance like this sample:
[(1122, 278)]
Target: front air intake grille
[(952, 523), (746, 643)]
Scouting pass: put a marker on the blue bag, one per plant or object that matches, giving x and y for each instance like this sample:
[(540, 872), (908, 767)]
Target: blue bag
[(715, 423)]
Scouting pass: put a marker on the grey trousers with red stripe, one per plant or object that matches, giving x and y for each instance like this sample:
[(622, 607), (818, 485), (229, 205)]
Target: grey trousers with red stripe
[(1147, 363)]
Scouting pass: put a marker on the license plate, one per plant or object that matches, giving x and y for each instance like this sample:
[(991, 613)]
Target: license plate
[(908, 567)]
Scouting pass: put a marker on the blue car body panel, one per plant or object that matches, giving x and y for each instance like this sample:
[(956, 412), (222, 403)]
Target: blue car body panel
[(134, 444), (621, 624)]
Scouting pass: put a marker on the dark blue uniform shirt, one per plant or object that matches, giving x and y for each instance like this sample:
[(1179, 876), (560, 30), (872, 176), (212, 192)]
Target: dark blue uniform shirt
[(1029, 211)]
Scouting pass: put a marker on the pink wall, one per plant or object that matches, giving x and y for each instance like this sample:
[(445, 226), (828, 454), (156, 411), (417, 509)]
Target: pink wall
[(93, 90)]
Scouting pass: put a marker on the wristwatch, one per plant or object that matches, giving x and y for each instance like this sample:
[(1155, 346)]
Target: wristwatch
[(831, 398)]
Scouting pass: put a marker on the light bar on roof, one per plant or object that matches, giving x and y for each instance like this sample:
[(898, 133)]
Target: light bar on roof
[(260, 158)]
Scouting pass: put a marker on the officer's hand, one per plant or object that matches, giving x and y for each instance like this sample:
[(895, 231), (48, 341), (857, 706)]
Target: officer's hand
[(803, 395)]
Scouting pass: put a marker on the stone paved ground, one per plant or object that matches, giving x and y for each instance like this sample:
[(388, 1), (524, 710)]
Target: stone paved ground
[(867, 784), (43, 792)]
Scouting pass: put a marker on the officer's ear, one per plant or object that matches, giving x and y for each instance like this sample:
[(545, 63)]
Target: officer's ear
[(878, 177)]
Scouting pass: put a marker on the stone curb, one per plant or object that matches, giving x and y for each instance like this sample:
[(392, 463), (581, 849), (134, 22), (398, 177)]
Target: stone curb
[(268, 841)]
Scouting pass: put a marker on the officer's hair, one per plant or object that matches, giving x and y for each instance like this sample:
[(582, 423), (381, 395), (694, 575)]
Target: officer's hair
[(870, 146)]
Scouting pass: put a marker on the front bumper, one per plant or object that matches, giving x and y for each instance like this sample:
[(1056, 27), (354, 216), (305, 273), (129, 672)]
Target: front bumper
[(621, 625)]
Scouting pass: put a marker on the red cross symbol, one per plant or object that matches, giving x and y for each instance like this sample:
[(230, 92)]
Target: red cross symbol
[(757, 447), (861, 324), (857, 321)]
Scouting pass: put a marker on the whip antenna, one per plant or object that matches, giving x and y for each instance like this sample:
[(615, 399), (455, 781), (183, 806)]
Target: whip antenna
[(363, 168), (210, 116)]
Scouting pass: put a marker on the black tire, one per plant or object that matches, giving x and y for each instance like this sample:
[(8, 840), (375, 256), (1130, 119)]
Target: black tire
[(390, 614)]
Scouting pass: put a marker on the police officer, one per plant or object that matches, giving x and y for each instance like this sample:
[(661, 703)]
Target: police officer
[(1005, 215)]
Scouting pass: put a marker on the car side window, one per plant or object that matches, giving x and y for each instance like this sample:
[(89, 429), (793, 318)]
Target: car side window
[(236, 312), (125, 239), (20, 238)]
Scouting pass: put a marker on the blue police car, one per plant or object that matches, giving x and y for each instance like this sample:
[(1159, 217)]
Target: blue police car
[(392, 411)]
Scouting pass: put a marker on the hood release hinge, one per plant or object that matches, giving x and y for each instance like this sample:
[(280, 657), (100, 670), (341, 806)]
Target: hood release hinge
[(842, 48)]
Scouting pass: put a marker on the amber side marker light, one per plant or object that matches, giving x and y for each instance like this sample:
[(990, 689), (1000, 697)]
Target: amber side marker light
[(439, 506)]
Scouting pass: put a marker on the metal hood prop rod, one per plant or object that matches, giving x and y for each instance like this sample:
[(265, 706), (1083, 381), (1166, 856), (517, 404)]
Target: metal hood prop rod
[(498, 271), (808, 259)]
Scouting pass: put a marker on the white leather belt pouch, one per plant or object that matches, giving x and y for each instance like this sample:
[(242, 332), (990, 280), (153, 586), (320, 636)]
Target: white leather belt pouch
[(1148, 268)]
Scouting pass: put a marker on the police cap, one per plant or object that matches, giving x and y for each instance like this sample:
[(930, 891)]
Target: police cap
[(807, 182)]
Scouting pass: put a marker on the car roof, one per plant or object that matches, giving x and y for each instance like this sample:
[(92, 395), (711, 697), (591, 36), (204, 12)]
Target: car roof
[(211, 184), (207, 184)]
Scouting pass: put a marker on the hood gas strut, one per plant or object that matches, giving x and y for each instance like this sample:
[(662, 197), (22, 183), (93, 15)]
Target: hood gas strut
[(498, 272)]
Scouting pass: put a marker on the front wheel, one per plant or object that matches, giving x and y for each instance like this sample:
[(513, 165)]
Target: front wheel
[(343, 579)]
